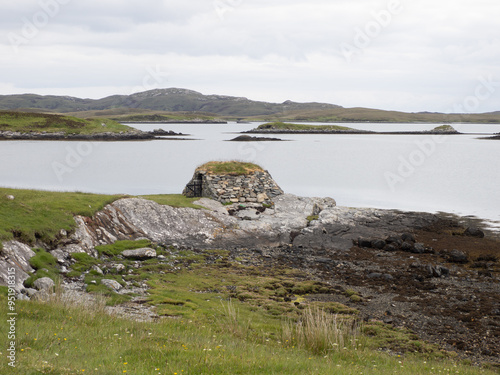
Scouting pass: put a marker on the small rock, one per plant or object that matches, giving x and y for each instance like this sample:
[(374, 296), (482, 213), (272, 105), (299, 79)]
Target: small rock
[(378, 244), (119, 267), (408, 237), (29, 292), (407, 246), (394, 241), (363, 242), (474, 232), (144, 253), (44, 283), (97, 269), (457, 256), (11, 197), (111, 284), (418, 248), (391, 247), (262, 197)]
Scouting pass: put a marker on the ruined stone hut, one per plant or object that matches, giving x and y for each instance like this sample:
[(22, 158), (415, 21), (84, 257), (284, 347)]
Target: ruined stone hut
[(233, 182)]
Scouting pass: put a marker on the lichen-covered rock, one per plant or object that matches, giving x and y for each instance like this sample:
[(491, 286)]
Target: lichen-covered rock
[(15, 255), (140, 254), (44, 283), (111, 284)]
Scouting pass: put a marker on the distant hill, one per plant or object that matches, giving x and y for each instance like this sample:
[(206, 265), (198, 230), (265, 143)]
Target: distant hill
[(188, 103), (170, 100)]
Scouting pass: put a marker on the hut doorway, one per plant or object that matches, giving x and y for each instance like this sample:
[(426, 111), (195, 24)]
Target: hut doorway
[(195, 188)]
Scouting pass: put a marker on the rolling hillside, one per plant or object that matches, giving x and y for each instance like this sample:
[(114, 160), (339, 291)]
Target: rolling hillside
[(188, 103)]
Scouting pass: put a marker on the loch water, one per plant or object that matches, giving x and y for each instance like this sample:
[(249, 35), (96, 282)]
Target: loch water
[(454, 173)]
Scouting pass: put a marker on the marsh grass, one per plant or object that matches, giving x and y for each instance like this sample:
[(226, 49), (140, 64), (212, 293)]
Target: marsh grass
[(321, 332)]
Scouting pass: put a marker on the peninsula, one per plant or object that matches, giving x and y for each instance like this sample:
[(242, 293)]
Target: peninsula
[(43, 126)]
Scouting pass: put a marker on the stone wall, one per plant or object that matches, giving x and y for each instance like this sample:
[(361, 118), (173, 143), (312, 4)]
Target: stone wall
[(256, 187)]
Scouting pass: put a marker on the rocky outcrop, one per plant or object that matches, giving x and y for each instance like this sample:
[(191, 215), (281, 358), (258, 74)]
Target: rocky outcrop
[(15, 255), (303, 223)]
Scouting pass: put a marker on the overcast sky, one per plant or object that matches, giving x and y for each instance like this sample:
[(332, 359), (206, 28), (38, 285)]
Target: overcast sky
[(409, 55)]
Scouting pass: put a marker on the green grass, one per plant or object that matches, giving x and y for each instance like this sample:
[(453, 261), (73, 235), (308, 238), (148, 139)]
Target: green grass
[(287, 126), (174, 200), (41, 215), (208, 329), (45, 265), (35, 214), (119, 246), (229, 167), (26, 122)]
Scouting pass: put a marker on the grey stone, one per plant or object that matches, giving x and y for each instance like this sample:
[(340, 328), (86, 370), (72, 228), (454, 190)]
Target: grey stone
[(61, 256), (44, 283), (15, 255), (378, 244), (408, 237), (457, 256), (418, 248), (30, 292), (119, 267), (144, 253), (364, 242), (474, 232), (97, 269), (407, 246), (111, 284)]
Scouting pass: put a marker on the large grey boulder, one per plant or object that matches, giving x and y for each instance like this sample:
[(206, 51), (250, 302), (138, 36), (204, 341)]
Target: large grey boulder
[(140, 254)]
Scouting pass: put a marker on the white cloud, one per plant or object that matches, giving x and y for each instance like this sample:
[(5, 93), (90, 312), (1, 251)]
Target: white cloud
[(425, 56)]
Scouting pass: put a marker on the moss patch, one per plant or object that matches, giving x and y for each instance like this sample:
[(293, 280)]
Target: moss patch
[(229, 167)]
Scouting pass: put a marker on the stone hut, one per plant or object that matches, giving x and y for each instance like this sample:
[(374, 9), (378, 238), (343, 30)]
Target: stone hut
[(233, 182)]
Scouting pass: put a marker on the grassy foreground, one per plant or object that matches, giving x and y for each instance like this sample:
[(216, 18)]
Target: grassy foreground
[(219, 317), (26, 122)]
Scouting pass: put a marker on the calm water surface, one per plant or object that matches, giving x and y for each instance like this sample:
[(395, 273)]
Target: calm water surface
[(456, 174)]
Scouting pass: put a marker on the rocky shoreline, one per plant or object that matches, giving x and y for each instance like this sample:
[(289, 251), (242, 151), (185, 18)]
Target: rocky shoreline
[(422, 271), (157, 134)]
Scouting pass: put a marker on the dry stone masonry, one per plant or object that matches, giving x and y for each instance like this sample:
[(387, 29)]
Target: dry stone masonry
[(254, 187)]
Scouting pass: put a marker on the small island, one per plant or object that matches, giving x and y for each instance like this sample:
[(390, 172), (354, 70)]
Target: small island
[(247, 138), (288, 128), (52, 127)]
